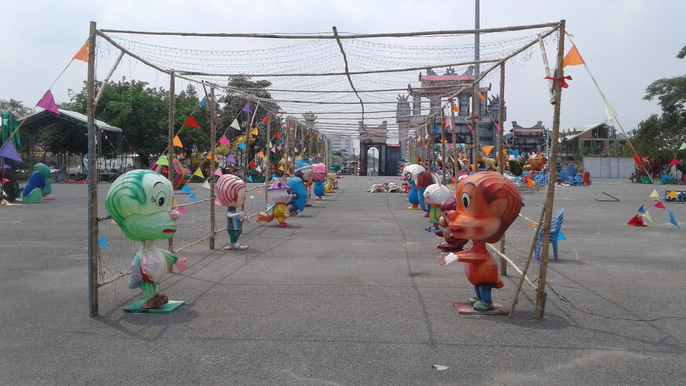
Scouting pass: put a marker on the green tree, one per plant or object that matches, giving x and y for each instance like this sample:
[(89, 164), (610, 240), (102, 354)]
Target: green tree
[(657, 135), (15, 107)]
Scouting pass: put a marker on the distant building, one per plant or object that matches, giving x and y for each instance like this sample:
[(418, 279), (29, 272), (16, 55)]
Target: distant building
[(527, 139), (342, 144), (594, 139)]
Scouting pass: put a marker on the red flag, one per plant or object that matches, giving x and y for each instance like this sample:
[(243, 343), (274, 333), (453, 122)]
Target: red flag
[(191, 122), (278, 135), (266, 118), (82, 55), (639, 161), (660, 205), (674, 162), (252, 164)]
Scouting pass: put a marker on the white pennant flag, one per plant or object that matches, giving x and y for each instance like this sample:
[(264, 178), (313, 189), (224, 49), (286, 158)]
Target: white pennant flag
[(235, 125), (611, 113)]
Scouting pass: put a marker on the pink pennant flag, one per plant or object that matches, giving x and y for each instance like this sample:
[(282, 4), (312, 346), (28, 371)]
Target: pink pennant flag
[(224, 140), (674, 162), (182, 210), (5, 180), (48, 102), (218, 172), (659, 205), (295, 150), (273, 149), (217, 203)]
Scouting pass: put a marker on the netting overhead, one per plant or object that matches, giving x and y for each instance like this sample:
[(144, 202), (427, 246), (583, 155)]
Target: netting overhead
[(345, 80)]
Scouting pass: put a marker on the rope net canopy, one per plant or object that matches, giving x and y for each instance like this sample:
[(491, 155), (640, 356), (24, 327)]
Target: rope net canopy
[(345, 80)]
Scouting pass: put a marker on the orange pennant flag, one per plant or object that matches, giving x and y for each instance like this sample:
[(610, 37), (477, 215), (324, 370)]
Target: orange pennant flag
[(531, 225), (487, 149), (455, 109), (82, 55), (191, 122), (177, 141), (260, 154), (473, 169), (572, 58), (209, 156), (481, 97), (259, 191), (530, 182)]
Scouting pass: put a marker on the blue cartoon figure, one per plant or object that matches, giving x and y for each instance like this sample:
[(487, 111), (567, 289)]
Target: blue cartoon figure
[(298, 195), (410, 173), (38, 185)]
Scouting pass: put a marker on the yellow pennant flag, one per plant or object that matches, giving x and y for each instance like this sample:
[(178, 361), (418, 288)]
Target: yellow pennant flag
[(654, 194), (198, 173), (254, 131), (177, 141), (647, 216), (673, 194)]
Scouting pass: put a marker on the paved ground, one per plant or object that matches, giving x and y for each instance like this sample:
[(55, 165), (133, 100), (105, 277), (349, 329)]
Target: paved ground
[(350, 293)]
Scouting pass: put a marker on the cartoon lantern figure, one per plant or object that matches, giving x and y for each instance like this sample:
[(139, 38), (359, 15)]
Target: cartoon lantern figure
[(303, 170), (435, 195), (452, 244), (140, 202), (487, 203), (279, 194), (298, 195), (319, 177), (410, 173), (38, 185), (231, 193)]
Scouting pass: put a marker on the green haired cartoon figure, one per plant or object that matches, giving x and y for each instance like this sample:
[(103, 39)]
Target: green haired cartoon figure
[(140, 202)]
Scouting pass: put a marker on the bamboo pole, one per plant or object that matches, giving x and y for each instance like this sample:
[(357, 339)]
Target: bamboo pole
[(444, 163), (92, 181), (540, 293), (500, 147), (170, 152), (107, 78), (213, 152), (452, 128), (475, 131), (266, 171)]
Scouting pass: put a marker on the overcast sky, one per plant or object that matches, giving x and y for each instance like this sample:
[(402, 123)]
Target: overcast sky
[(626, 44)]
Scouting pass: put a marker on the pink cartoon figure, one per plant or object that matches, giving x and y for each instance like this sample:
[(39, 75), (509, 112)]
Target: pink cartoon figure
[(487, 203)]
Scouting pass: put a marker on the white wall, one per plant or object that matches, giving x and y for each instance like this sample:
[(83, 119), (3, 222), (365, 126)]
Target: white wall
[(605, 167)]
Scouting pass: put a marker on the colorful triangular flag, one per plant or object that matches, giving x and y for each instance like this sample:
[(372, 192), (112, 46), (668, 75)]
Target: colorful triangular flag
[(186, 189), (82, 54), (242, 145), (278, 134), (487, 149), (260, 154), (177, 141), (266, 118), (455, 108), (683, 146), (202, 102), (560, 236), (198, 173), (252, 164), (672, 219), (641, 209), (655, 194), (48, 102), (572, 58), (254, 131), (235, 124), (101, 241), (674, 162), (481, 96), (9, 151), (246, 108), (218, 172), (162, 161), (660, 205), (224, 140), (647, 216), (205, 185), (673, 195), (190, 122), (250, 178), (231, 159), (192, 197), (182, 210)]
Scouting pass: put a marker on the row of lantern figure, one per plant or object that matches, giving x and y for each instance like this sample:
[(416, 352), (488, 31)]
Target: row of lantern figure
[(141, 203), (480, 210)]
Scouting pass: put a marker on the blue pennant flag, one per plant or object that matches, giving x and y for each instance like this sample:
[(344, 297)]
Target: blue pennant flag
[(186, 189), (101, 241), (192, 197), (273, 175), (250, 178), (672, 219), (514, 153), (560, 236), (437, 129), (242, 145), (202, 102), (641, 210)]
